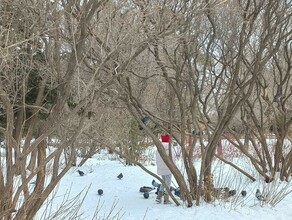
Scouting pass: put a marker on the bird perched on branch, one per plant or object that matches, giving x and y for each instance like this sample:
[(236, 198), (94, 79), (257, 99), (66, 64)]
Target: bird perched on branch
[(243, 193), (145, 121), (120, 176), (81, 173), (259, 195)]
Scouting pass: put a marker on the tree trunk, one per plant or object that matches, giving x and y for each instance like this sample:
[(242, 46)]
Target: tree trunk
[(17, 135), (32, 161), (208, 180)]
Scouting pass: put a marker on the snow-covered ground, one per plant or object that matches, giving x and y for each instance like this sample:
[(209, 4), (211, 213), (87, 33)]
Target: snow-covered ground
[(122, 199)]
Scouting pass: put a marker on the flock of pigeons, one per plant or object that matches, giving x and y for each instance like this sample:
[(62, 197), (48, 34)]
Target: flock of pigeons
[(176, 191)]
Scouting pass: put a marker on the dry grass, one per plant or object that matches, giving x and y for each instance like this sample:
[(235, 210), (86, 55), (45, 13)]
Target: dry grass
[(69, 208), (225, 176)]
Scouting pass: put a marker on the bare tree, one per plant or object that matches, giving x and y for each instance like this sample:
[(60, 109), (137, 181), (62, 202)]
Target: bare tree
[(65, 60), (193, 68), (209, 71)]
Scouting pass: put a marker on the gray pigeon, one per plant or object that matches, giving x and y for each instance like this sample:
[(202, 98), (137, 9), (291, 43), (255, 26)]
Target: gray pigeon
[(146, 189), (155, 184), (243, 193), (145, 121), (232, 192), (259, 195), (81, 173), (100, 192), (120, 176)]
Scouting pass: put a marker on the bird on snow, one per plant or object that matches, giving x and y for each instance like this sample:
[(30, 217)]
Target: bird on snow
[(81, 173), (146, 195), (259, 195), (177, 192), (120, 176), (243, 193), (232, 192), (155, 184), (172, 188), (146, 189), (100, 192)]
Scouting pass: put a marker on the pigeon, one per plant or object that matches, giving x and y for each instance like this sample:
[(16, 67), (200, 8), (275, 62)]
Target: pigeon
[(177, 192), (100, 192), (146, 189), (145, 121), (155, 184), (172, 188), (232, 192), (146, 195), (120, 176), (243, 193), (157, 190), (259, 195), (81, 173)]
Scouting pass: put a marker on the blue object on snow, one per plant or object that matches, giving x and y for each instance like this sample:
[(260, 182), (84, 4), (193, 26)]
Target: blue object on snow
[(146, 195)]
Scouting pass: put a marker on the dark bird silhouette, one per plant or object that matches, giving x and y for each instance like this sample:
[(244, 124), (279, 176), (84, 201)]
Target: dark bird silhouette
[(145, 121), (100, 192), (259, 195), (81, 173), (232, 192), (146, 189), (155, 184), (177, 192), (157, 190), (120, 176), (146, 195), (172, 188), (243, 193)]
